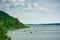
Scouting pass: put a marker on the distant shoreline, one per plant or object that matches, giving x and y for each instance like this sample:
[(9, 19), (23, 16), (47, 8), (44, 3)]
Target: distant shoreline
[(46, 24)]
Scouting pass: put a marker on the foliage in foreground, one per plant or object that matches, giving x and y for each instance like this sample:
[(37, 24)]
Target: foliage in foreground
[(3, 31)]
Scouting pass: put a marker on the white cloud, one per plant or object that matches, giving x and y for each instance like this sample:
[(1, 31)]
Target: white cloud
[(36, 4), (43, 8), (3, 0), (29, 7), (13, 0), (22, 4), (36, 7), (15, 4), (52, 5), (20, 1), (7, 5), (0, 4)]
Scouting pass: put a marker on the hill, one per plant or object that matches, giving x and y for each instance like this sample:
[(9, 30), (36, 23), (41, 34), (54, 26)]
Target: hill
[(10, 22)]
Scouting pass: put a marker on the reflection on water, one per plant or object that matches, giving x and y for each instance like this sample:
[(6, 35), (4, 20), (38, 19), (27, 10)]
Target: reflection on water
[(36, 33)]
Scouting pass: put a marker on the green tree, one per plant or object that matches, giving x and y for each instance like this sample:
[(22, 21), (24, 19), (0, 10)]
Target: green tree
[(3, 32)]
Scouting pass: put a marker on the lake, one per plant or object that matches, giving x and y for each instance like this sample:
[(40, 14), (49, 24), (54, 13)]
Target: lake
[(37, 32)]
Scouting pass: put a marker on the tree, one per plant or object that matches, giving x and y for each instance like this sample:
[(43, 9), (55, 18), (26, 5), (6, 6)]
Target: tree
[(3, 32)]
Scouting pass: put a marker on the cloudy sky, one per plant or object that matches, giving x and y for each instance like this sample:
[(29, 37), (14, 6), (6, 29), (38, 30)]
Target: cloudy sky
[(33, 11)]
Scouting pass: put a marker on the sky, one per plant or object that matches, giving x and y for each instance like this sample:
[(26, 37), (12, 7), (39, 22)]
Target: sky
[(33, 11)]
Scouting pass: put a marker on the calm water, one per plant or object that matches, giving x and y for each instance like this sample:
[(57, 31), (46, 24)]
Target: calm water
[(37, 32)]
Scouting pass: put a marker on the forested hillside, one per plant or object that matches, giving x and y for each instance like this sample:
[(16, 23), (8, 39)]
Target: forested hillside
[(8, 22)]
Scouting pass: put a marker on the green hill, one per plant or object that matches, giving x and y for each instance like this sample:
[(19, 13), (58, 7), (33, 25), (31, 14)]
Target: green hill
[(10, 22)]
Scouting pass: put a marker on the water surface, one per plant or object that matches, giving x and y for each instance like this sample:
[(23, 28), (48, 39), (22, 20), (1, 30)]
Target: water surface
[(37, 32)]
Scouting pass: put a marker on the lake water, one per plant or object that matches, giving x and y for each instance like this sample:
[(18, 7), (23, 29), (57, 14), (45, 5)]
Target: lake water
[(37, 32)]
